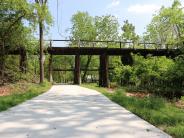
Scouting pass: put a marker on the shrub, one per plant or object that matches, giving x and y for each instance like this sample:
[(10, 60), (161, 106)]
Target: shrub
[(159, 75)]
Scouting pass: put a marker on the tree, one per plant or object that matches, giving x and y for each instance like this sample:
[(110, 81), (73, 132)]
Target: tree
[(13, 32), (83, 27), (128, 33), (167, 26), (106, 27), (43, 17)]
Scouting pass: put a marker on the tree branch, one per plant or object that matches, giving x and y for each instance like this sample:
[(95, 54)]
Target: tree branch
[(11, 25)]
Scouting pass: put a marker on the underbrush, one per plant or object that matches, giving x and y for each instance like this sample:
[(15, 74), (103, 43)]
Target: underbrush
[(158, 111), (22, 92)]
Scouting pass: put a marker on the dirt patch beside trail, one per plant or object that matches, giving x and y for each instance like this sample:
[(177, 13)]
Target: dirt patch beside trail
[(180, 104), (5, 90), (111, 90)]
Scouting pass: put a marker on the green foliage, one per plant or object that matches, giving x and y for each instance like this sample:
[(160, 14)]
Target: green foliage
[(14, 14), (86, 27), (177, 130), (63, 62), (19, 19), (106, 27), (167, 26), (32, 90), (159, 75), (43, 13), (83, 26), (129, 32), (176, 72)]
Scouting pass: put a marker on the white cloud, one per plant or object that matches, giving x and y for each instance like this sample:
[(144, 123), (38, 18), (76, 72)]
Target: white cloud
[(143, 8), (113, 4)]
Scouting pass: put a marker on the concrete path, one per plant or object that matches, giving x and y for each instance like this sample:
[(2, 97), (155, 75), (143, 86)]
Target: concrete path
[(73, 112)]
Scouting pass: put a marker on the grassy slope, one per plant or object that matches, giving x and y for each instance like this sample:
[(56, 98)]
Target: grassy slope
[(20, 95), (157, 111)]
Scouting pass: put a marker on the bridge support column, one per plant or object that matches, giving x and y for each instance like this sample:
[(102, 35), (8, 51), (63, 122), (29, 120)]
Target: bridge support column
[(77, 78), (103, 72)]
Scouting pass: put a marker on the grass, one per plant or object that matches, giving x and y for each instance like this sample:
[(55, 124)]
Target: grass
[(20, 95), (155, 110)]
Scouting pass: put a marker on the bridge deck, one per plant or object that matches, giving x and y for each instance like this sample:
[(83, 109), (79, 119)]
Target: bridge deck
[(110, 51)]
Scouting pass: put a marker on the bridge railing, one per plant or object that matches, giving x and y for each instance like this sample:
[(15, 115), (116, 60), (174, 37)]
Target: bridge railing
[(109, 44)]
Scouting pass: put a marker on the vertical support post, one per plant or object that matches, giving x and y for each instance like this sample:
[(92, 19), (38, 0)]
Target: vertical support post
[(2, 63), (77, 79), (103, 74)]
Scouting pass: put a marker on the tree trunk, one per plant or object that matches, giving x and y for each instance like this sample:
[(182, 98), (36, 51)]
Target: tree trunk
[(2, 69), (86, 68), (179, 33), (23, 60), (41, 52)]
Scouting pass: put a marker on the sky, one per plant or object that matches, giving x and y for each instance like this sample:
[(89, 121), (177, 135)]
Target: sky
[(138, 12)]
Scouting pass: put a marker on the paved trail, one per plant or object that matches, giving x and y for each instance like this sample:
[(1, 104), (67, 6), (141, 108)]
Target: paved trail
[(68, 111)]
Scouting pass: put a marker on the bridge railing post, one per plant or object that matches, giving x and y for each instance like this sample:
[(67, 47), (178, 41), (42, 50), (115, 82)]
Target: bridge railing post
[(50, 44)]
